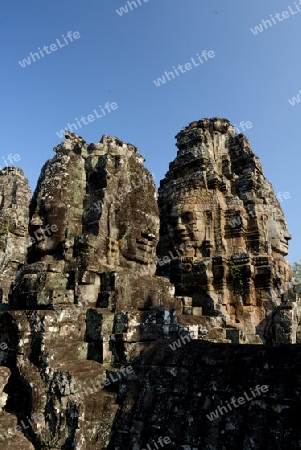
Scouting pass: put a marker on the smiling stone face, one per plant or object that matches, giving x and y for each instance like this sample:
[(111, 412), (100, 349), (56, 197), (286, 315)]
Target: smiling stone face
[(278, 234), (56, 207), (190, 221), (125, 229), (48, 229), (215, 196), (184, 224), (190, 224), (137, 222), (138, 237)]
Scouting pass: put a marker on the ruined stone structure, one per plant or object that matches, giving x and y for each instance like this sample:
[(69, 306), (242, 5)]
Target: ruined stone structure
[(85, 301), (87, 321), (216, 198)]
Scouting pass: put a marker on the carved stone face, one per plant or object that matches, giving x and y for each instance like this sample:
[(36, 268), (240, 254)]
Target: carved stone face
[(49, 230), (138, 238), (278, 234), (187, 224)]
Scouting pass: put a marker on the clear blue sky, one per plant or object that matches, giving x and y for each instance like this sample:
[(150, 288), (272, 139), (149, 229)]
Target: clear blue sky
[(117, 58)]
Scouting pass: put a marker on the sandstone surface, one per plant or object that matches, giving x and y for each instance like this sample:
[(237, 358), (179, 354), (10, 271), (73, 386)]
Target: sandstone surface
[(216, 198), (104, 285)]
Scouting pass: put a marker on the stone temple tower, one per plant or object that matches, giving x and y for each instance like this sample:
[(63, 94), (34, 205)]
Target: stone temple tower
[(216, 198)]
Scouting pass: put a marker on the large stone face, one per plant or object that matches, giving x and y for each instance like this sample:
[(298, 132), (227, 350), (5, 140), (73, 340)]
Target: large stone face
[(88, 211), (216, 204)]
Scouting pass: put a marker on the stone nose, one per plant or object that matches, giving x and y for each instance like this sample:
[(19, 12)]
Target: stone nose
[(36, 221), (180, 227)]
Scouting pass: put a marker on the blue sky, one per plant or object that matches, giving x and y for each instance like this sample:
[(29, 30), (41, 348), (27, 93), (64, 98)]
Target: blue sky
[(116, 58)]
